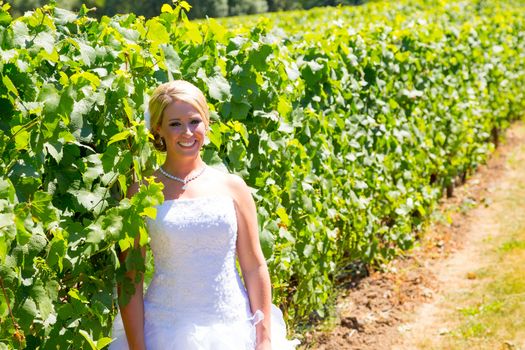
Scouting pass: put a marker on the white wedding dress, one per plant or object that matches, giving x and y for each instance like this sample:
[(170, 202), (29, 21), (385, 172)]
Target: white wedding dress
[(196, 299)]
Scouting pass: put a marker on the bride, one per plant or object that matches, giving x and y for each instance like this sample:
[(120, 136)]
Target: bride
[(208, 221)]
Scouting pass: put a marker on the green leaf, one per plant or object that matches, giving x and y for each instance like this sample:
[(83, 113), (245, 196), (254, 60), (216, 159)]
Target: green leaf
[(56, 252), (9, 85), (236, 155), (55, 149), (150, 212), (103, 342), (22, 137), (7, 219), (3, 254), (73, 292), (39, 294), (91, 200), (107, 226), (218, 88), (5, 18), (267, 240), (120, 136), (88, 339), (64, 16), (88, 55), (241, 129), (292, 72), (215, 136), (308, 250), (157, 33), (4, 310), (7, 190), (173, 60), (28, 310), (192, 32), (95, 233), (284, 107), (148, 196), (42, 209), (166, 8), (281, 212), (259, 56), (237, 110), (286, 128), (93, 169), (112, 223), (20, 34), (92, 79), (45, 41), (185, 5), (51, 98), (128, 110)]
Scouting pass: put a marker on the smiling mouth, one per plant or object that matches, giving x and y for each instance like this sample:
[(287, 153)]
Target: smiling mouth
[(187, 144)]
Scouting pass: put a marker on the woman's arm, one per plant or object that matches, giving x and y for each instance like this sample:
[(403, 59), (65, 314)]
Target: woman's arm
[(251, 260), (133, 312)]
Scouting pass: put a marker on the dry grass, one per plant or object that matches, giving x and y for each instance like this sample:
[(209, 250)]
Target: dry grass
[(491, 315)]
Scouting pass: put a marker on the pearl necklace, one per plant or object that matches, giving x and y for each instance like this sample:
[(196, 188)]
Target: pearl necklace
[(183, 181)]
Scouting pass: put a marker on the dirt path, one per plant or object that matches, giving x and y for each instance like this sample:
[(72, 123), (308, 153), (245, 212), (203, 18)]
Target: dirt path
[(457, 274), (404, 307)]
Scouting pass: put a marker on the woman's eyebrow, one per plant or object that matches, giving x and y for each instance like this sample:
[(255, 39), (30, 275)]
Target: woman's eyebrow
[(196, 116)]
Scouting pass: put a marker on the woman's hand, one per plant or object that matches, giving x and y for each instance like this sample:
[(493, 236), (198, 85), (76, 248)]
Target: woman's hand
[(264, 345)]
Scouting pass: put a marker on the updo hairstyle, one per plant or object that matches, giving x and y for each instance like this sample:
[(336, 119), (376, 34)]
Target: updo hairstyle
[(163, 95)]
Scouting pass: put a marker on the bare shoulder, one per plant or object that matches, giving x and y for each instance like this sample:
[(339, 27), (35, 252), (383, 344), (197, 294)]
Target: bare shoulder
[(236, 182), (240, 191), (228, 180)]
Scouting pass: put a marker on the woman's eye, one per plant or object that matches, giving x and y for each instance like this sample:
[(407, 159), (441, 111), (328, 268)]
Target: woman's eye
[(195, 121), (175, 124)]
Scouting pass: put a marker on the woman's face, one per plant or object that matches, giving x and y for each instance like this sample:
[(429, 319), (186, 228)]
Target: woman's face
[(183, 129)]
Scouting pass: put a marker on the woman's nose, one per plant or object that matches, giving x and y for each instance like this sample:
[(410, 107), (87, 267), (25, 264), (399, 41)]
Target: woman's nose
[(187, 130)]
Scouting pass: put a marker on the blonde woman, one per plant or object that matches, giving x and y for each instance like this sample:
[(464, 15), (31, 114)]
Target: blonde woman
[(208, 220)]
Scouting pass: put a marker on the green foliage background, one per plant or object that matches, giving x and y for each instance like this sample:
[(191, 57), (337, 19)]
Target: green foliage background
[(200, 8), (349, 122)]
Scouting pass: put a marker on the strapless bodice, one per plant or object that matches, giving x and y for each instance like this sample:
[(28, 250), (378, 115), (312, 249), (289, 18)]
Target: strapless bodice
[(196, 299), (194, 247)]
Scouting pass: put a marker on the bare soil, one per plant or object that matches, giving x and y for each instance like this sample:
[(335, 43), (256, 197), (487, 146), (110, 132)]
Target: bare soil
[(391, 308)]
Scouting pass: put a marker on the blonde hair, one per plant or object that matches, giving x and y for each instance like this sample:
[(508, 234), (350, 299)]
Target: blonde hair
[(163, 95)]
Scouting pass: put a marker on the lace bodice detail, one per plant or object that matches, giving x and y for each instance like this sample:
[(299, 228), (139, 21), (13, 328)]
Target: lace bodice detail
[(194, 246)]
